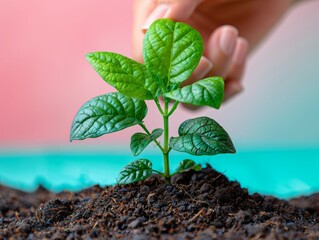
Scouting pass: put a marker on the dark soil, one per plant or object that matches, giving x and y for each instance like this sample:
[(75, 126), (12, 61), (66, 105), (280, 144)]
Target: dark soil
[(198, 205)]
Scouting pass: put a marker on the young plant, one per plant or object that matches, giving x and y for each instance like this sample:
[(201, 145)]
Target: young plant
[(171, 52)]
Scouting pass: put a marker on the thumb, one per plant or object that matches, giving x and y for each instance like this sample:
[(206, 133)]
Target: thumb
[(181, 10), (178, 10)]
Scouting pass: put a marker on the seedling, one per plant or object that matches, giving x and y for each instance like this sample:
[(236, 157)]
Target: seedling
[(171, 51)]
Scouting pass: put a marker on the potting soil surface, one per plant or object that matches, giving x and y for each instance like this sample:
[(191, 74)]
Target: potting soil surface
[(196, 205)]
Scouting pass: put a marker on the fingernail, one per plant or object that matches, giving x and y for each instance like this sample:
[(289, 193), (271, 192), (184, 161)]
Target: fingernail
[(207, 64), (241, 50), (227, 40), (158, 12), (203, 68)]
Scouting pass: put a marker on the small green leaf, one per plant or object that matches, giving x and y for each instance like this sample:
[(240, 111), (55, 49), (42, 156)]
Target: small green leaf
[(171, 52), (186, 165), (206, 92), (197, 167), (106, 114), (127, 76), (139, 141), (136, 171), (202, 136), (156, 133)]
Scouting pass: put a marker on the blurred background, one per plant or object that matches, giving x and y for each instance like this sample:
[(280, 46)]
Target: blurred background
[(45, 79)]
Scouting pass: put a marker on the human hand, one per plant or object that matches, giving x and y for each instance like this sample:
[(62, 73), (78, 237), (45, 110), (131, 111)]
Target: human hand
[(219, 22)]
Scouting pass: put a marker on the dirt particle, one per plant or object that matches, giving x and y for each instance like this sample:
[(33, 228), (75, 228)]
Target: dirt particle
[(151, 198), (25, 228), (204, 188), (55, 210), (137, 222)]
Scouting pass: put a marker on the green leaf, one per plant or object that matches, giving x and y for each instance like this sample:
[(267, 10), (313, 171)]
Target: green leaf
[(106, 114), (136, 171), (156, 133), (139, 141), (202, 136), (186, 165), (127, 76), (171, 51), (206, 92)]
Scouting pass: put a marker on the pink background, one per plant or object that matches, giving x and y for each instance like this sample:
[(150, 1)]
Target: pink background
[(45, 78), (44, 75)]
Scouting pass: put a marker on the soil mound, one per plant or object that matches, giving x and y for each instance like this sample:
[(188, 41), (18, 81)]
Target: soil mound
[(197, 205)]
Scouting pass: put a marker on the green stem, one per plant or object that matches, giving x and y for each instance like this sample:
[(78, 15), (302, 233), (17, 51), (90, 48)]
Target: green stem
[(167, 174), (149, 134), (159, 106), (173, 108)]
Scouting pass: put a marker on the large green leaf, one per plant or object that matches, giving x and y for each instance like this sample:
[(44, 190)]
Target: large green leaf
[(127, 76), (202, 136), (106, 114), (171, 51), (136, 171), (139, 141), (188, 164), (206, 92)]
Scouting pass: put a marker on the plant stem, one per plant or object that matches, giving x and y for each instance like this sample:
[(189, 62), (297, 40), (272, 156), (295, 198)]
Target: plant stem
[(167, 174), (173, 108), (149, 134), (159, 106)]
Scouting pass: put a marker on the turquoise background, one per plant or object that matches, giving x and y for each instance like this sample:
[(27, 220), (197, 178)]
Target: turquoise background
[(284, 173)]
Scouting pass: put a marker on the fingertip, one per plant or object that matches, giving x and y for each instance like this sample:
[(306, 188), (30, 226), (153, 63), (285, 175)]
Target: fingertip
[(232, 89), (241, 51), (220, 49), (229, 28), (203, 68), (181, 10), (233, 84), (227, 39), (205, 61), (243, 41), (159, 12)]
